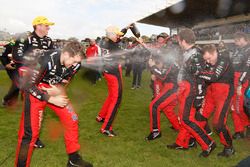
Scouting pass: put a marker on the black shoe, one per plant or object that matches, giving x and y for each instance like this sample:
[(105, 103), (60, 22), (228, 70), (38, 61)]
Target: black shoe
[(227, 152), (109, 133), (238, 135), (133, 87), (192, 143), (206, 153), (208, 130), (248, 132), (79, 162), (4, 103), (175, 146), (153, 135), (39, 144), (99, 119)]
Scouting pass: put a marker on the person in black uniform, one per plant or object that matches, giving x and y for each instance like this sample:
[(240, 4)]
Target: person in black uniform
[(35, 42), (11, 97)]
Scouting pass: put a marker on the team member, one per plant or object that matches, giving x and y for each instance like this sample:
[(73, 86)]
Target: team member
[(113, 75), (93, 51), (167, 98), (42, 89), (189, 89), (26, 44), (219, 75), (11, 97), (241, 61)]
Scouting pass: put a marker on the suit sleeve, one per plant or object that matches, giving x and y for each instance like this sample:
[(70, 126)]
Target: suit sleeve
[(4, 58), (33, 78), (215, 74), (19, 49)]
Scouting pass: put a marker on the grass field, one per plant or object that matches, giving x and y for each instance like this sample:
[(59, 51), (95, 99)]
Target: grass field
[(128, 149)]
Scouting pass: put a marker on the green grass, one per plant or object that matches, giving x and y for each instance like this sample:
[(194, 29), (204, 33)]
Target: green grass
[(128, 149)]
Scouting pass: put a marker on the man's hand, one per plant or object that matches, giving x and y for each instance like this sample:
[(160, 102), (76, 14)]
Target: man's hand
[(54, 90), (60, 100), (238, 91), (10, 66), (151, 62)]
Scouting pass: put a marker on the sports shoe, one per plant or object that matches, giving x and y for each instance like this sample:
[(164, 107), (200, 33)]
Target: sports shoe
[(99, 119), (4, 103), (192, 143), (238, 135), (133, 87), (175, 146), (138, 86), (153, 135), (109, 133), (79, 162), (39, 144), (208, 130), (206, 153), (227, 152)]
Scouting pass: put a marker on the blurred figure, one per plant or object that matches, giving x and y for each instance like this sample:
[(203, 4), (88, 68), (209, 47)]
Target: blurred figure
[(93, 51), (166, 101), (241, 64), (12, 96)]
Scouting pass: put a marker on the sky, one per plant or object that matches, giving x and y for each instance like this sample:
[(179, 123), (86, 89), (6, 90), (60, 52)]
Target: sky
[(80, 18)]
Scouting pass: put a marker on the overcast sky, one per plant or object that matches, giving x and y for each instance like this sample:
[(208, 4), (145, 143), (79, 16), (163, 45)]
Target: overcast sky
[(79, 18)]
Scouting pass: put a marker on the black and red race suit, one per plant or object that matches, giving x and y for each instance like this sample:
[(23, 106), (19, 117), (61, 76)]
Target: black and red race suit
[(219, 78), (190, 95), (166, 101), (48, 70), (113, 74), (241, 64)]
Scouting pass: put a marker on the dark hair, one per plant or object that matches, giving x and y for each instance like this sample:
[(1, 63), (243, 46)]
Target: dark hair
[(187, 35), (210, 48), (74, 48), (239, 35)]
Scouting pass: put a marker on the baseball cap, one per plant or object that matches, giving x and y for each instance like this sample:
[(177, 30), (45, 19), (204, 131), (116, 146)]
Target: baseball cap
[(42, 20), (114, 29)]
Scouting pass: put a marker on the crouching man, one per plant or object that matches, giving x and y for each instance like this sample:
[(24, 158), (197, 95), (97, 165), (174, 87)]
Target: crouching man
[(42, 85)]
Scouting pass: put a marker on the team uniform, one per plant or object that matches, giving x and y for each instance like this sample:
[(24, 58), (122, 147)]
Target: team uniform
[(47, 70), (190, 97), (113, 74), (28, 48), (13, 92), (241, 63), (219, 78), (166, 100)]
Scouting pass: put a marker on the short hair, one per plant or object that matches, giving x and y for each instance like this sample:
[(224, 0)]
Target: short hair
[(74, 48), (239, 35), (210, 48), (188, 35)]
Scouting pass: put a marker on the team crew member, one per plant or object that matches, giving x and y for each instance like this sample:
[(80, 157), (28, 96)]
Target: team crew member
[(113, 75), (167, 99), (42, 87), (241, 61), (93, 51), (219, 76), (27, 44), (11, 97), (189, 88)]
